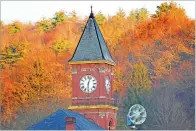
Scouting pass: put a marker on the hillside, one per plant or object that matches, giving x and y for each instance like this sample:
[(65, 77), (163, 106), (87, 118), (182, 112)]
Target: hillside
[(154, 54)]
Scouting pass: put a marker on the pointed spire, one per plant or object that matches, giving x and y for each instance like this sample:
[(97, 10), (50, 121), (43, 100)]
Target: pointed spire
[(91, 46), (91, 15), (91, 9)]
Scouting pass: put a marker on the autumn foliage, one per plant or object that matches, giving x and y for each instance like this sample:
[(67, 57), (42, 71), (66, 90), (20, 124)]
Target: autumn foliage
[(146, 49)]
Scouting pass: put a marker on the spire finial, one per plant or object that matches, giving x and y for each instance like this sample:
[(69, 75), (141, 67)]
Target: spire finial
[(91, 8), (91, 15)]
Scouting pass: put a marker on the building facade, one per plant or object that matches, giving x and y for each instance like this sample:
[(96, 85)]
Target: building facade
[(92, 78)]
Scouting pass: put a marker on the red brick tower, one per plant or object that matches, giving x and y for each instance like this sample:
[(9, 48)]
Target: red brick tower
[(92, 77)]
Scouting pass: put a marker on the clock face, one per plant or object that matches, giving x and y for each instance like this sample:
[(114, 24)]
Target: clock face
[(88, 83), (107, 84)]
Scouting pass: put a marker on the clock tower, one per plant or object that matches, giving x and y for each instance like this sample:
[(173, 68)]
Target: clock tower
[(92, 77)]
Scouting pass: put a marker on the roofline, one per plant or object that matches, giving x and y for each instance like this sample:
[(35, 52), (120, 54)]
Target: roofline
[(104, 40), (93, 107), (92, 61), (98, 39), (79, 41), (95, 22)]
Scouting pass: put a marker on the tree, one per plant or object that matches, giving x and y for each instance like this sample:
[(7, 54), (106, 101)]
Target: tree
[(121, 13), (164, 110), (59, 17), (165, 8), (1, 25), (132, 17), (129, 99), (142, 15), (160, 49), (12, 53), (100, 18), (140, 78), (138, 15), (119, 79), (13, 96), (60, 46), (44, 25), (74, 16), (15, 27), (39, 80)]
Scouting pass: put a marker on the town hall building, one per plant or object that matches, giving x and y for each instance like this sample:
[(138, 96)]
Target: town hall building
[(93, 105)]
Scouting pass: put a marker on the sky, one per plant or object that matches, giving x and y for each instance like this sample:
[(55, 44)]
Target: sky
[(33, 11)]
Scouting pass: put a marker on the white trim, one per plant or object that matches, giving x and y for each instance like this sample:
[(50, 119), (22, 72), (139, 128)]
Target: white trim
[(99, 112), (100, 97), (88, 69), (74, 71)]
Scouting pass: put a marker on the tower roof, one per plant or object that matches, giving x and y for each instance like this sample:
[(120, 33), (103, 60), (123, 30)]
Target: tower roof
[(92, 46)]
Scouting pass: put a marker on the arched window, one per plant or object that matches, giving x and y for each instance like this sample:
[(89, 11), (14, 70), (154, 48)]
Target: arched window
[(111, 125)]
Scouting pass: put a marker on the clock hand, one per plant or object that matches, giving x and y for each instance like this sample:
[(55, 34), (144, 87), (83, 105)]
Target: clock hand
[(88, 84)]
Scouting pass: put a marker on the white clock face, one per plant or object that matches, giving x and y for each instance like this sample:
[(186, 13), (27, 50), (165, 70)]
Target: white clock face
[(107, 84), (88, 83)]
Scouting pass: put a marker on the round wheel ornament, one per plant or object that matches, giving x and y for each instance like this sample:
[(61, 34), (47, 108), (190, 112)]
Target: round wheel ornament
[(137, 114)]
